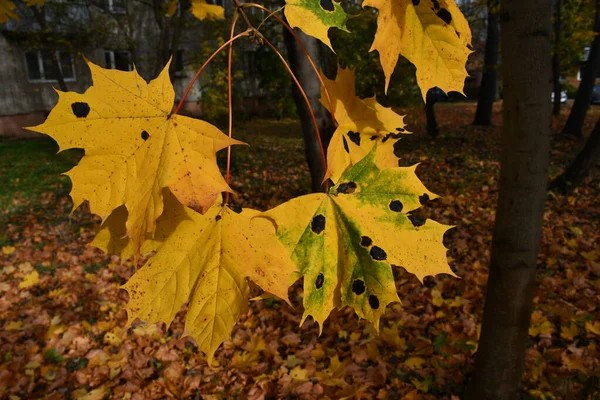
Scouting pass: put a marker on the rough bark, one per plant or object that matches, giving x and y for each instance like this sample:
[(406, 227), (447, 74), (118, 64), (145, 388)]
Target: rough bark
[(432, 126), (305, 74), (583, 97), (580, 168), (526, 71), (489, 80), (555, 60)]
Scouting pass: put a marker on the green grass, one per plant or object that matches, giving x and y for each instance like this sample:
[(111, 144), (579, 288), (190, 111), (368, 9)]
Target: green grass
[(29, 168)]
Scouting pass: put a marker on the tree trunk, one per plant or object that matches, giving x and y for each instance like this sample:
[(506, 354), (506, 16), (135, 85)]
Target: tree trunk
[(555, 60), (579, 169), (583, 97), (307, 78), (489, 81), (432, 127), (526, 71)]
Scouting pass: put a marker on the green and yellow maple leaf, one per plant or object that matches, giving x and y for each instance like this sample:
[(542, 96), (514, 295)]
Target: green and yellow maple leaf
[(362, 124), (7, 8), (134, 147), (432, 34), (315, 17), (203, 260), (345, 241), (202, 10)]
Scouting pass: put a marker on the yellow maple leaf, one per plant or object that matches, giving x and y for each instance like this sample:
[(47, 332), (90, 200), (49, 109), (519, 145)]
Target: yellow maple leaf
[(362, 124), (202, 10), (433, 35), (8, 250), (7, 8), (204, 260), (569, 331), (29, 280), (593, 327), (345, 241), (315, 17), (134, 147), (299, 374)]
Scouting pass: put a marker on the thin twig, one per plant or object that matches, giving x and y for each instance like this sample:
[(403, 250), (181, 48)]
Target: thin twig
[(230, 102), (189, 88), (302, 47)]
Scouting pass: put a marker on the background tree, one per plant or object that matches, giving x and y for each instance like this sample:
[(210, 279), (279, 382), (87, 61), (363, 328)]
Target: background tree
[(583, 97), (489, 81), (431, 99), (556, 86), (525, 41), (580, 168), (307, 78)]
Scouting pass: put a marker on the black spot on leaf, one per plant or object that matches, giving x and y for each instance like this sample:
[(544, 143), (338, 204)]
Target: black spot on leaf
[(236, 209), (358, 286), (218, 218), (345, 145), (424, 198), (391, 135), (374, 137), (374, 302), (436, 4), (81, 110), (355, 137), (347, 187), (327, 5), (416, 2), (318, 224), (320, 280), (396, 205), (145, 135), (377, 253), (416, 221), (365, 241), (444, 15), (401, 129)]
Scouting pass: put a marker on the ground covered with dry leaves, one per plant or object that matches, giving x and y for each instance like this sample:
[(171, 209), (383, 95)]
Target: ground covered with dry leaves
[(62, 312)]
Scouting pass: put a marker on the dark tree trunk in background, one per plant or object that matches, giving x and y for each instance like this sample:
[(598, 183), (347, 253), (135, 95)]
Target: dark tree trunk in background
[(555, 61), (580, 168), (527, 75), (432, 126), (305, 74), (489, 80), (583, 97)]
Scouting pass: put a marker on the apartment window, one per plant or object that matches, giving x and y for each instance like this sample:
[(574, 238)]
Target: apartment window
[(116, 6), (42, 66), (115, 59)]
